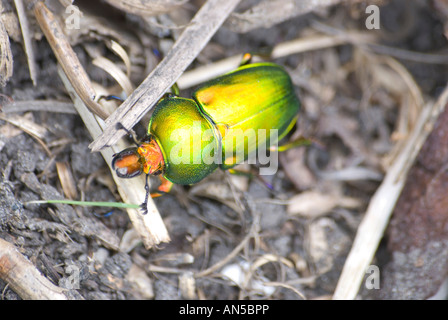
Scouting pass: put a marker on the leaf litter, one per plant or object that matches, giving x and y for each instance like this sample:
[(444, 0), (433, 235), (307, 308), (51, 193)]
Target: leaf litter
[(362, 93)]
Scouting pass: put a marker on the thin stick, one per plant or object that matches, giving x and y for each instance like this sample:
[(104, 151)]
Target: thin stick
[(205, 23), (24, 278), (383, 202), (88, 203), (39, 105)]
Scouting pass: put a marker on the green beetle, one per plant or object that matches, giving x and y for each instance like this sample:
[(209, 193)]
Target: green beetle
[(226, 122)]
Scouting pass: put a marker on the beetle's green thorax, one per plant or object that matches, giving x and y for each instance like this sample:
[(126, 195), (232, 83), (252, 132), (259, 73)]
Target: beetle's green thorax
[(254, 97), (188, 140)]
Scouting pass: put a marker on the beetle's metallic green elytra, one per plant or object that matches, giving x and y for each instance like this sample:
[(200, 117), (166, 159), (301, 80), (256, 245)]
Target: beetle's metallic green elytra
[(184, 135)]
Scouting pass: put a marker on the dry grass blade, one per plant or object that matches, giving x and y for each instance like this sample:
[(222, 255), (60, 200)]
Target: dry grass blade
[(67, 58), (270, 12), (28, 126), (382, 203), (111, 68), (121, 52), (287, 286), (27, 39), (6, 66), (39, 105), (150, 227), (148, 7), (205, 23), (66, 178), (409, 55)]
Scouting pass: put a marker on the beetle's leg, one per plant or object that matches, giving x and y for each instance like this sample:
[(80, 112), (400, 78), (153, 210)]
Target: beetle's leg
[(144, 205), (120, 126), (247, 58), (250, 175), (165, 187), (299, 142), (175, 92), (111, 97), (167, 95), (288, 129), (175, 89), (263, 53)]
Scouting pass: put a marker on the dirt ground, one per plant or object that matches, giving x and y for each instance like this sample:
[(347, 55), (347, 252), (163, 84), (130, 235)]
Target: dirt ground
[(360, 101)]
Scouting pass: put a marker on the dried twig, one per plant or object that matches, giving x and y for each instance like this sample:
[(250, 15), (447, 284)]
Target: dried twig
[(39, 105), (205, 23), (24, 278), (382, 203), (67, 58)]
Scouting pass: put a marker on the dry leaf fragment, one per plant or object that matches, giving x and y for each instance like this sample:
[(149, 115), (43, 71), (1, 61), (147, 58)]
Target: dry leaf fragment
[(239, 273), (140, 282), (327, 241), (67, 181), (25, 123), (130, 240), (294, 164), (119, 76), (312, 204), (187, 285)]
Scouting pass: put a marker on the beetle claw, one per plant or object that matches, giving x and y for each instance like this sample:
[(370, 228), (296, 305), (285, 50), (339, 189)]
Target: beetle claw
[(144, 208)]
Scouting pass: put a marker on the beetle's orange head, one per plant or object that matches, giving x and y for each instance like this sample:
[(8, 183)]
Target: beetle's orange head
[(147, 158)]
